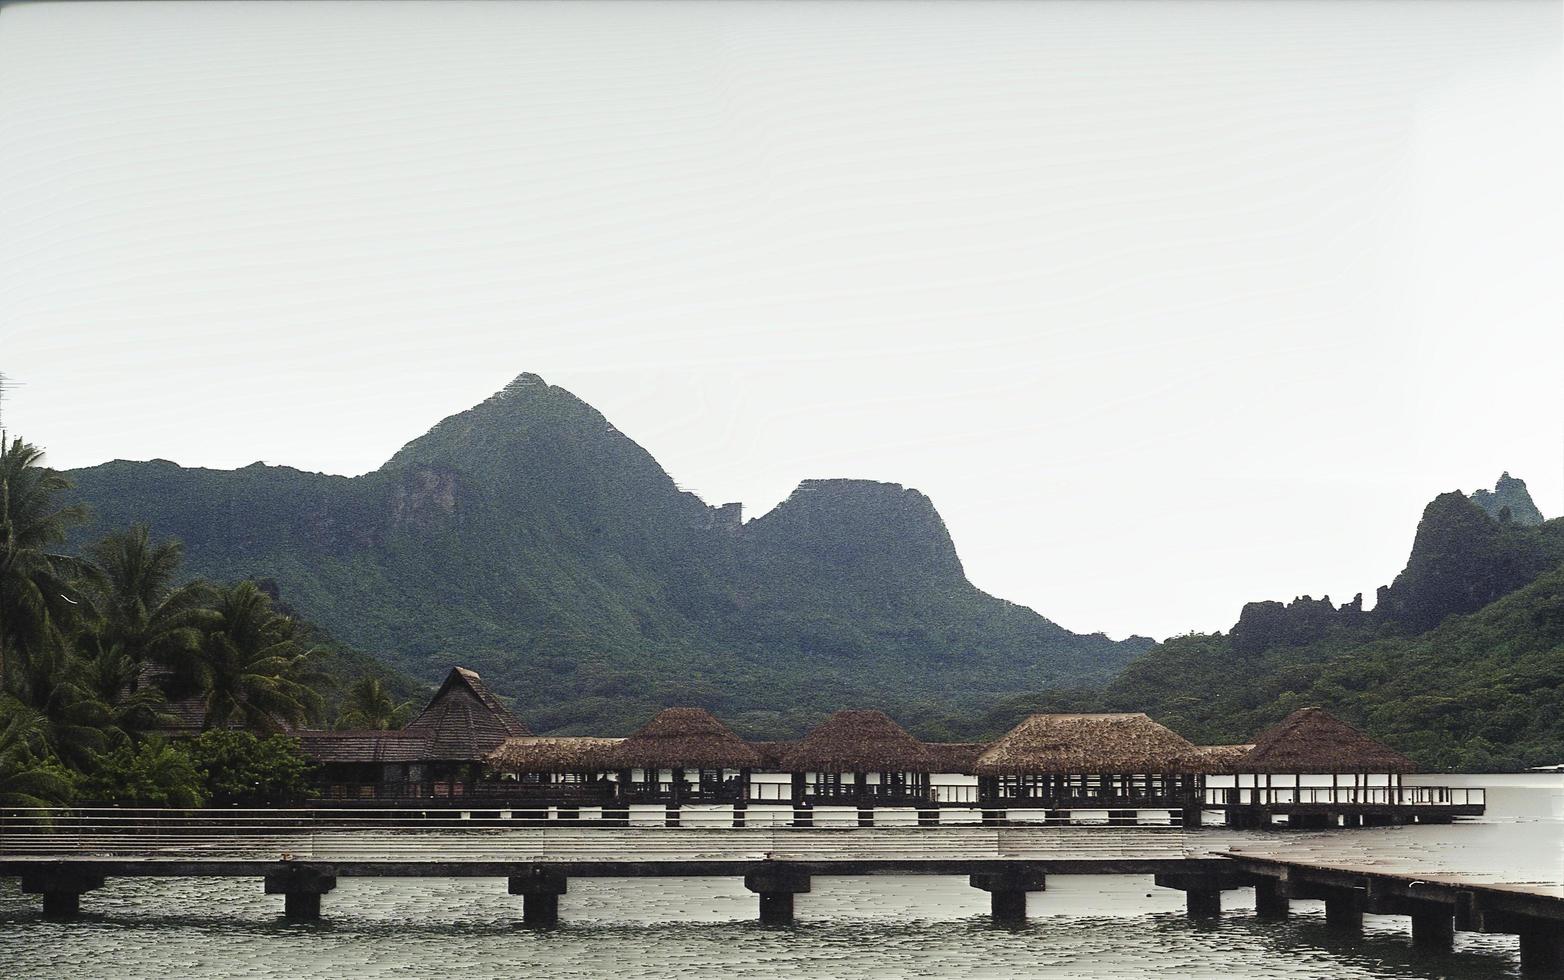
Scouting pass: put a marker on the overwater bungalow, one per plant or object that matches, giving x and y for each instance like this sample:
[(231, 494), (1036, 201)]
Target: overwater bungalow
[(1317, 770), (439, 755), (684, 755), (1088, 761), (859, 757)]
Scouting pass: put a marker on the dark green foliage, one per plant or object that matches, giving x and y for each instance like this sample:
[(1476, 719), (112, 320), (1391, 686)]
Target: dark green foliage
[(532, 541), (151, 774), (1461, 560), (241, 768)]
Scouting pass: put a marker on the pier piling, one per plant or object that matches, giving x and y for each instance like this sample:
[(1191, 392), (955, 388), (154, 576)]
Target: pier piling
[(301, 887), (61, 887), (1269, 902), (1433, 929), (539, 887), (776, 888), (1007, 889), (1202, 890)]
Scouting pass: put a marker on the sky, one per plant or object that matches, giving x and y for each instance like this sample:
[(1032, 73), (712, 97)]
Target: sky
[(1167, 306)]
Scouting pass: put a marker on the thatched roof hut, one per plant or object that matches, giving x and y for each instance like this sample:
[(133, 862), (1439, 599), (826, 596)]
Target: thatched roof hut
[(1219, 759), (554, 753), (684, 738), (464, 722), (1312, 740), (956, 757), (1097, 743), (858, 740)]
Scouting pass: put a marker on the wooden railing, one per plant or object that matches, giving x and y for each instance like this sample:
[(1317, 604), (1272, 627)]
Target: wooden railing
[(1364, 796)]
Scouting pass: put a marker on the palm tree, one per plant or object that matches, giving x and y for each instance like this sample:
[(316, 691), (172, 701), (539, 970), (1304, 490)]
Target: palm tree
[(252, 670), (135, 706), (27, 778), (37, 597), (370, 705), (51, 686), (142, 612)]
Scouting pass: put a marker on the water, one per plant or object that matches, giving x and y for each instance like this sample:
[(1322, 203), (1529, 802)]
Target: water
[(1083, 926)]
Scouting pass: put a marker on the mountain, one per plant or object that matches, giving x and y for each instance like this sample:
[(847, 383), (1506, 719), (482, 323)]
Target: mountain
[(530, 539), (1509, 494), (1460, 664)]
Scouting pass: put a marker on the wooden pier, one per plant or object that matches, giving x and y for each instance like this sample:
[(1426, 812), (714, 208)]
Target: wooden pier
[(301, 857)]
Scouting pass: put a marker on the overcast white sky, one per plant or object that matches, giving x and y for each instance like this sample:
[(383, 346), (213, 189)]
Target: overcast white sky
[(1168, 306)]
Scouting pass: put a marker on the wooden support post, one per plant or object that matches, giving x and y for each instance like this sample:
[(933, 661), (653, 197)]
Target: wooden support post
[(866, 815), (1433, 928), (1123, 818), (803, 815), (617, 815), (1193, 816), (928, 817), (539, 887), (1008, 887), (1269, 902), (301, 906), (740, 814), (671, 815), (1344, 910), (1202, 889), (61, 887), (776, 885), (301, 887), (1352, 820), (1203, 903), (1542, 951), (1056, 816), (994, 818)]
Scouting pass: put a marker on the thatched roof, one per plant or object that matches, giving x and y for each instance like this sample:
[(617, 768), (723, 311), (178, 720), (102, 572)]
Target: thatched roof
[(1219, 759), (1312, 740), (538, 753), (1103, 743), (857, 740), (771, 754), (364, 746), (685, 738), (464, 722), (958, 757)]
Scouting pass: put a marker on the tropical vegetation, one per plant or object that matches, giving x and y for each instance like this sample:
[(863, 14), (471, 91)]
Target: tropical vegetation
[(99, 649)]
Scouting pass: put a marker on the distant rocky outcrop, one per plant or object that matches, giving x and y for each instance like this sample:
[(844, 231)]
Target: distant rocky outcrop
[(1509, 500)]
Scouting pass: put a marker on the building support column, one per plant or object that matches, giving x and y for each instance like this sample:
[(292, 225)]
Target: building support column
[(301, 887), (1192, 816), (1269, 902), (928, 817), (776, 886), (539, 887), (1007, 889), (995, 818), (866, 814)]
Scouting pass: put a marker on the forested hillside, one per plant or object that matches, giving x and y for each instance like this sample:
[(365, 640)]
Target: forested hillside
[(1460, 663), (531, 540)]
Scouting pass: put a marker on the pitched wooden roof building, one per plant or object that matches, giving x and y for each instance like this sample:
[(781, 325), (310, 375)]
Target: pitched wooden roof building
[(858, 740), (1311, 740), (1087, 743), (464, 721), (685, 738)]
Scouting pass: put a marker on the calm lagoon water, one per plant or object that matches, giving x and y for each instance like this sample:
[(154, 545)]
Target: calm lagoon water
[(1111, 927)]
